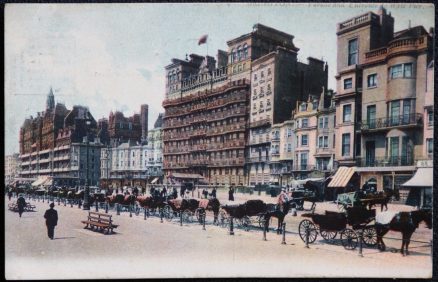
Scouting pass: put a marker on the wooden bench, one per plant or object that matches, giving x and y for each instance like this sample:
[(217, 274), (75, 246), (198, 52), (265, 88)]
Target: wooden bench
[(29, 207), (100, 221), (13, 207)]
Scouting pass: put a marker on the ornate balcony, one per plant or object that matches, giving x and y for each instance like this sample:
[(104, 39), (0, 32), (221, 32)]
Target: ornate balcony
[(403, 121), (303, 167), (260, 123), (258, 159), (385, 161)]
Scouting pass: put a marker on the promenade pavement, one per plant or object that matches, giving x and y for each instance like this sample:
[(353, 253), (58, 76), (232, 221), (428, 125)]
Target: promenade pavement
[(151, 249)]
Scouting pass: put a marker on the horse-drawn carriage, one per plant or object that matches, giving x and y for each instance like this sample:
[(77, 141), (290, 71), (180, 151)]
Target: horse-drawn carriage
[(242, 213), (190, 208), (362, 199), (328, 225)]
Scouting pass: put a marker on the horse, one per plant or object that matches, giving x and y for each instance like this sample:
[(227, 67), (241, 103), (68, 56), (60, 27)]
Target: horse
[(279, 213), (382, 198), (404, 222), (212, 204)]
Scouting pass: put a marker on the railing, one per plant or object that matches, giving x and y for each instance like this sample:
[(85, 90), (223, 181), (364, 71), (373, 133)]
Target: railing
[(259, 140), (325, 150), (198, 147), (385, 161), (227, 113), (260, 123), (169, 150), (357, 20), (198, 162), (225, 128), (227, 162), (226, 145), (303, 167), (394, 121), (258, 159), (225, 101), (275, 138)]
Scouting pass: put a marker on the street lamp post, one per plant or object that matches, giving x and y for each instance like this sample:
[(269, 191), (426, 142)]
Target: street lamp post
[(86, 205)]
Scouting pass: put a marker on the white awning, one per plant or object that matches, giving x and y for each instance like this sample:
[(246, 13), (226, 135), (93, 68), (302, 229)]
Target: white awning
[(342, 177), (155, 180), (39, 181), (423, 177)]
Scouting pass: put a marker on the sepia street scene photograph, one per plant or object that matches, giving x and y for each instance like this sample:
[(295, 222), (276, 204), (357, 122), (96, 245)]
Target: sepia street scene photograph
[(218, 140)]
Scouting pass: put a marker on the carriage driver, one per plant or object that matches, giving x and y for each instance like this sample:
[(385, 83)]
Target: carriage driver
[(282, 198)]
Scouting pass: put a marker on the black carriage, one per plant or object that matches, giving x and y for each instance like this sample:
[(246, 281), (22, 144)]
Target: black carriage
[(243, 212), (187, 209), (348, 224)]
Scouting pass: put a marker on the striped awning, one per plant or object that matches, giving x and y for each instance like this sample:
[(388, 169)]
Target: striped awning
[(342, 177), (423, 177), (40, 181)]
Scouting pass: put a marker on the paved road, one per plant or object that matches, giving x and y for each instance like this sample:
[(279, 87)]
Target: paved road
[(147, 248)]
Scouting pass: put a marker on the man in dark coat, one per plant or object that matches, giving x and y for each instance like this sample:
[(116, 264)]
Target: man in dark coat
[(10, 195), (231, 194), (51, 216), (21, 203), (213, 192)]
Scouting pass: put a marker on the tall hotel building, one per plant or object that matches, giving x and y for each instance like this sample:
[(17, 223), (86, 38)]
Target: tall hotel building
[(214, 109)]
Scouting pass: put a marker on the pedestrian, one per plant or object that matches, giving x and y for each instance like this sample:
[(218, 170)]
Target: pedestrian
[(205, 193), (187, 194), (231, 194), (282, 199), (21, 203), (213, 193), (9, 195), (164, 192), (51, 216), (175, 193)]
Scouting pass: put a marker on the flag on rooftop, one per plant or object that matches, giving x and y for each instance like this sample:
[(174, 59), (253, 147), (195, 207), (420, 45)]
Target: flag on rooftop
[(203, 39)]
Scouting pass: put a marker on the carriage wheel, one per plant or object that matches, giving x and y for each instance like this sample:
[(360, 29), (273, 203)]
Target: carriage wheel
[(370, 236), (187, 216), (328, 235), (244, 222), (199, 213), (224, 220), (261, 221), (168, 213), (349, 239), (313, 231)]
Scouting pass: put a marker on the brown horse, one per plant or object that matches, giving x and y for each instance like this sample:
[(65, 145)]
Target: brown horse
[(404, 222), (279, 213), (212, 204), (382, 198)]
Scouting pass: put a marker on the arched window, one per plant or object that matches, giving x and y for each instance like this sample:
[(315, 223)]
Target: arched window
[(239, 53), (234, 55), (245, 51)]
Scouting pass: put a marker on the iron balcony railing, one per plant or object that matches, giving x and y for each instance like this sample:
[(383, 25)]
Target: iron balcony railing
[(303, 167), (394, 121), (258, 159), (385, 161)]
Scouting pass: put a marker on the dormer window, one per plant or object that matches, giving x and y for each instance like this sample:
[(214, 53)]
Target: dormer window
[(303, 107)]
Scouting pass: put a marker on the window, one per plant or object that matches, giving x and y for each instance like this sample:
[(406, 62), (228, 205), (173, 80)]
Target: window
[(371, 116), (407, 70), (268, 91), (346, 144), (401, 70), (347, 113), (303, 107), (304, 140), (239, 53), (430, 118), (323, 142), (352, 52), (323, 122), (239, 68), (269, 71), (245, 51), (348, 83), (407, 106), (262, 74), (303, 161), (429, 143), (289, 148), (372, 80), (394, 112), (289, 132), (255, 77), (234, 55), (297, 144), (304, 122)]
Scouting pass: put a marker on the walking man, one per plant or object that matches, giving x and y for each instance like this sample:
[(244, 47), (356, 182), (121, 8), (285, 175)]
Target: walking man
[(51, 216), (9, 195), (231, 194), (213, 193), (21, 203)]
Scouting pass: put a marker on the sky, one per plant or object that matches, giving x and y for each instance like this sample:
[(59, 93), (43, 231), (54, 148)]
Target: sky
[(111, 57)]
